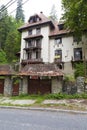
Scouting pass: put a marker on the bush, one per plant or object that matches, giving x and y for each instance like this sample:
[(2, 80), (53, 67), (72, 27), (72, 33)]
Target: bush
[(79, 70)]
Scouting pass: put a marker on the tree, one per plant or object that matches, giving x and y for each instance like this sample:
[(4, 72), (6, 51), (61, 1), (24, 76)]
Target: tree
[(13, 41), (75, 17), (4, 26), (3, 59), (53, 13), (3, 12), (19, 11)]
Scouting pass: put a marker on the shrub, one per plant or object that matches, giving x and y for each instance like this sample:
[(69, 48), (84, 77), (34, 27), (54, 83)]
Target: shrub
[(79, 70)]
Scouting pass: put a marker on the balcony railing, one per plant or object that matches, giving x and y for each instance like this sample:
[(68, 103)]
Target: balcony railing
[(32, 47), (31, 61)]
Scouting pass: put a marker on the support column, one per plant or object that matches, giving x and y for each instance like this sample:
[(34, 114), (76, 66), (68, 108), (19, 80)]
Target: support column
[(24, 85), (8, 86), (56, 85)]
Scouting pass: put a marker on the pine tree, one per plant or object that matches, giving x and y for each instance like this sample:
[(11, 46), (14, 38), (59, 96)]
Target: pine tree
[(53, 13), (19, 11)]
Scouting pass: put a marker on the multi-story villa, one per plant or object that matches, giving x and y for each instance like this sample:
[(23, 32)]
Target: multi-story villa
[(46, 41)]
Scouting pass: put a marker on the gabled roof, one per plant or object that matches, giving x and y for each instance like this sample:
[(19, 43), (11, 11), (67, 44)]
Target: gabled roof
[(43, 20), (41, 70), (56, 31), (6, 70)]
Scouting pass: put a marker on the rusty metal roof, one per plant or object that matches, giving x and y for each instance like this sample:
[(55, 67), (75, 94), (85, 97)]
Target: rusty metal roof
[(44, 20), (6, 70), (41, 70)]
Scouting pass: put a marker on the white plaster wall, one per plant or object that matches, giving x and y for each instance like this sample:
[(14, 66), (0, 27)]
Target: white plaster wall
[(23, 42), (67, 47), (84, 39), (45, 44)]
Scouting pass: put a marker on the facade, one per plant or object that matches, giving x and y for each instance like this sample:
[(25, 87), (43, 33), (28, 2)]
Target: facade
[(46, 41)]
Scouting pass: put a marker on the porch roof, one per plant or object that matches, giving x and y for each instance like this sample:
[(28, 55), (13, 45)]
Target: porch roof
[(6, 70), (41, 70)]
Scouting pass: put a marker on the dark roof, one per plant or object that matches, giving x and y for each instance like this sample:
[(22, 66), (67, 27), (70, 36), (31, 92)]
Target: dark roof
[(41, 70), (57, 31), (6, 70), (44, 20)]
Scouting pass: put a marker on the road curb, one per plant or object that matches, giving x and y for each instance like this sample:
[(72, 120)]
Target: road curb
[(44, 109)]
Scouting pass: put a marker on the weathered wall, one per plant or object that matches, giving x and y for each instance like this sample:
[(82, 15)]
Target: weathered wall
[(56, 85), (8, 86), (24, 85)]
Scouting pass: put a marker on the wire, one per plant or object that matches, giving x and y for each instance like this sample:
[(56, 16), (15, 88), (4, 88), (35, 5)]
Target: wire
[(8, 5), (15, 8), (19, 6)]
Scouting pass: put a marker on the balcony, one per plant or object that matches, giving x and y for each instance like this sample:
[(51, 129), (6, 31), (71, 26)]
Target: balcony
[(32, 48), (32, 61)]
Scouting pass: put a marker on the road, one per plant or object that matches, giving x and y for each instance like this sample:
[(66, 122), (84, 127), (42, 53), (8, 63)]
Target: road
[(13, 119)]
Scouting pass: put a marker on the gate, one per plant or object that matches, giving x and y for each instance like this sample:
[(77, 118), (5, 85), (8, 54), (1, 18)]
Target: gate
[(1, 86), (39, 86)]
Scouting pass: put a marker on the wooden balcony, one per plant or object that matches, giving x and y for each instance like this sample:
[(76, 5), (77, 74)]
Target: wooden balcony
[(32, 61), (32, 48)]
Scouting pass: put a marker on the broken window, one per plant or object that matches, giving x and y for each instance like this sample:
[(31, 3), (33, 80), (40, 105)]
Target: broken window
[(77, 53)]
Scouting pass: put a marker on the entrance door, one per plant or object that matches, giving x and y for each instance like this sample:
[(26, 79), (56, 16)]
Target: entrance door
[(38, 86), (1, 86)]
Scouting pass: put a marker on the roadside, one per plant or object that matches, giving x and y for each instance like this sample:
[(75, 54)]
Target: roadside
[(67, 105)]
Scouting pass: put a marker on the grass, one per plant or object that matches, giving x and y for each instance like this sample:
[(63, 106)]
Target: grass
[(40, 98), (58, 96)]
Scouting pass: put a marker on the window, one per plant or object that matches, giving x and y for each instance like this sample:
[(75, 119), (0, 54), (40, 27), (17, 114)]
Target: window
[(38, 30), (75, 39), (58, 40), (58, 55), (38, 42), (61, 26), (77, 53), (30, 32), (31, 43), (38, 54), (29, 55), (31, 20)]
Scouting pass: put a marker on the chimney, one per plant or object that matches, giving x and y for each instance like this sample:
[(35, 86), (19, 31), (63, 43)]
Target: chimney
[(41, 12)]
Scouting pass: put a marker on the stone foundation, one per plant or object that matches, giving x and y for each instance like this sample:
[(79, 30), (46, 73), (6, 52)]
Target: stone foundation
[(8, 86), (56, 85)]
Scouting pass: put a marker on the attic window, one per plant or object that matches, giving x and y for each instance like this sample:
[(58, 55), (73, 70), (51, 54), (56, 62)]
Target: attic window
[(61, 26), (58, 40), (34, 19)]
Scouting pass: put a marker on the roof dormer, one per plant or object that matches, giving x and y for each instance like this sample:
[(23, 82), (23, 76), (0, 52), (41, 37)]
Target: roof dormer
[(61, 26), (34, 19)]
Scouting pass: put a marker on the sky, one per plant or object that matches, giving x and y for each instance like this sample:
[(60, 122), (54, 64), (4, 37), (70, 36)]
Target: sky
[(35, 6)]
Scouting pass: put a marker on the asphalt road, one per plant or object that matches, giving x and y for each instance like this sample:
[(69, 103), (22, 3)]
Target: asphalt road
[(12, 119)]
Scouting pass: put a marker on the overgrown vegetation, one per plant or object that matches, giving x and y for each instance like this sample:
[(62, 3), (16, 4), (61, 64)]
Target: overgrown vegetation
[(10, 38), (79, 70), (51, 96)]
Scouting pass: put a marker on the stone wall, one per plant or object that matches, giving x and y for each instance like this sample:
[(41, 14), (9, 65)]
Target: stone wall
[(75, 87), (80, 84), (69, 87), (56, 85)]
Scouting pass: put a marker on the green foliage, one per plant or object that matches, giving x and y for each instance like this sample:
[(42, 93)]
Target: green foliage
[(19, 11), (69, 78), (3, 59), (79, 70), (75, 15), (12, 45), (55, 96)]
